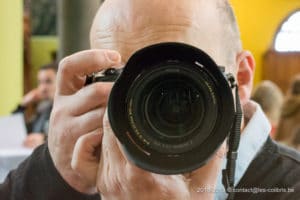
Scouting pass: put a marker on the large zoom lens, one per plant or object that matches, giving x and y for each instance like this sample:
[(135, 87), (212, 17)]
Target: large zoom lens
[(171, 108), (166, 106)]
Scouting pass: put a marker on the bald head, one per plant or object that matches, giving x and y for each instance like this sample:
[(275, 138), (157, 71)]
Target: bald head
[(128, 25)]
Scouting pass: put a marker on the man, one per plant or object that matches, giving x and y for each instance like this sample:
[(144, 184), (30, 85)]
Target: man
[(43, 96), (289, 126), (269, 96), (70, 168)]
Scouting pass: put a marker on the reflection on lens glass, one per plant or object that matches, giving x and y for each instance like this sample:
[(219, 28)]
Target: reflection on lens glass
[(169, 108), (174, 107), (175, 104)]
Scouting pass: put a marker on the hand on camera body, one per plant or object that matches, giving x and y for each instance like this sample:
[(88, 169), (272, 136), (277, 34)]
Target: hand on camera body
[(78, 110), (77, 119), (118, 178), (34, 139)]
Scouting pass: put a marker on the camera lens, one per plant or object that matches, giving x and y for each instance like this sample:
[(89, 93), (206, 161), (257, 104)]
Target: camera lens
[(166, 105), (174, 108), (171, 108)]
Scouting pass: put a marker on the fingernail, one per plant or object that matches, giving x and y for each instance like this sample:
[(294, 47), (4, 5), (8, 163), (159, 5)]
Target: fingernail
[(113, 56)]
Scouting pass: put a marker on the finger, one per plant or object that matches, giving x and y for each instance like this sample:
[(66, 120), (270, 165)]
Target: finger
[(110, 147), (73, 69), (87, 122), (112, 163), (88, 98), (85, 147), (85, 157), (25, 143), (29, 143)]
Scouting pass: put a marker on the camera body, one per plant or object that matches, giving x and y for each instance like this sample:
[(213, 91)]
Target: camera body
[(171, 107)]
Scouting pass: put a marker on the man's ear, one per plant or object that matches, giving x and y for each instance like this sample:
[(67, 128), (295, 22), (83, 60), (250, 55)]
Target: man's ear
[(245, 74)]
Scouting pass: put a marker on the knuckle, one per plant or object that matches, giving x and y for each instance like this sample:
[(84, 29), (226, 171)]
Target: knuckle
[(103, 57), (65, 135), (57, 114), (100, 57), (98, 88), (95, 91), (61, 131), (95, 55), (101, 93), (64, 65)]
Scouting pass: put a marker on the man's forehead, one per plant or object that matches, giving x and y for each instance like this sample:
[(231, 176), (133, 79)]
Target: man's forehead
[(47, 72), (127, 25), (128, 14)]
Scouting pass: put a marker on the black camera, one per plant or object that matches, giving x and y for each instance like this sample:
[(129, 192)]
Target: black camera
[(171, 107)]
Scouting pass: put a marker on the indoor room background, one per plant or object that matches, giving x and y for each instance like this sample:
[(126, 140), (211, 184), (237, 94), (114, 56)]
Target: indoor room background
[(259, 21)]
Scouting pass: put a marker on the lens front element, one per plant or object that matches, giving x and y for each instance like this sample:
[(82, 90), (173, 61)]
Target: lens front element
[(167, 105), (171, 108)]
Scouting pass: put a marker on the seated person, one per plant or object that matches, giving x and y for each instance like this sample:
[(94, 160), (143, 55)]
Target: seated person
[(269, 96), (294, 89), (43, 96), (290, 113), (83, 159)]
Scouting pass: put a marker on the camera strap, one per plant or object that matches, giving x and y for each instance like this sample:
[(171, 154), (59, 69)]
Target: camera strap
[(233, 144)]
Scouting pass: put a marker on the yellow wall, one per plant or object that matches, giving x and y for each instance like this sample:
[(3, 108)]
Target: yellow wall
[(41, 49), (11, 55), (259, 21)]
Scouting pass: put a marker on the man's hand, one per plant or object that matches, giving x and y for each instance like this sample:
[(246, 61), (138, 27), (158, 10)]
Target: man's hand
[(78, 110), (31, 97), (117, 178), (34, 139)]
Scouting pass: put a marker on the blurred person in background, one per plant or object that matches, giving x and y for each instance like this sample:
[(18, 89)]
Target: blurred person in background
[(294, 89), (42, 96), (290, 115), (269, 96)]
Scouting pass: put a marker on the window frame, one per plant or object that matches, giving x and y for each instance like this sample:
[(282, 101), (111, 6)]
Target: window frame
[(280, 28)]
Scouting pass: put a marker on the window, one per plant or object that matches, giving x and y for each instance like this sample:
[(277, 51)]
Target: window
[(288, 37), (43, 17)]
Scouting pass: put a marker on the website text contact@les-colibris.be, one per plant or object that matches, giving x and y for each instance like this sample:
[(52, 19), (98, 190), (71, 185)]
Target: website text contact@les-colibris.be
[(253, 190)]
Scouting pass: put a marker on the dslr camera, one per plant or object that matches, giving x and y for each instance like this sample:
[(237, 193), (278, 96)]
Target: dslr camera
[(171, 107)]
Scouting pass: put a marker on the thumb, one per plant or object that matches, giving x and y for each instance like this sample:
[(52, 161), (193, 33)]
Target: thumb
[(110, 143), (86, 156)]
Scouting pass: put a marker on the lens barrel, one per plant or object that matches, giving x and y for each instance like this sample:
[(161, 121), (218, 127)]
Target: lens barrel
[(171, 108)]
